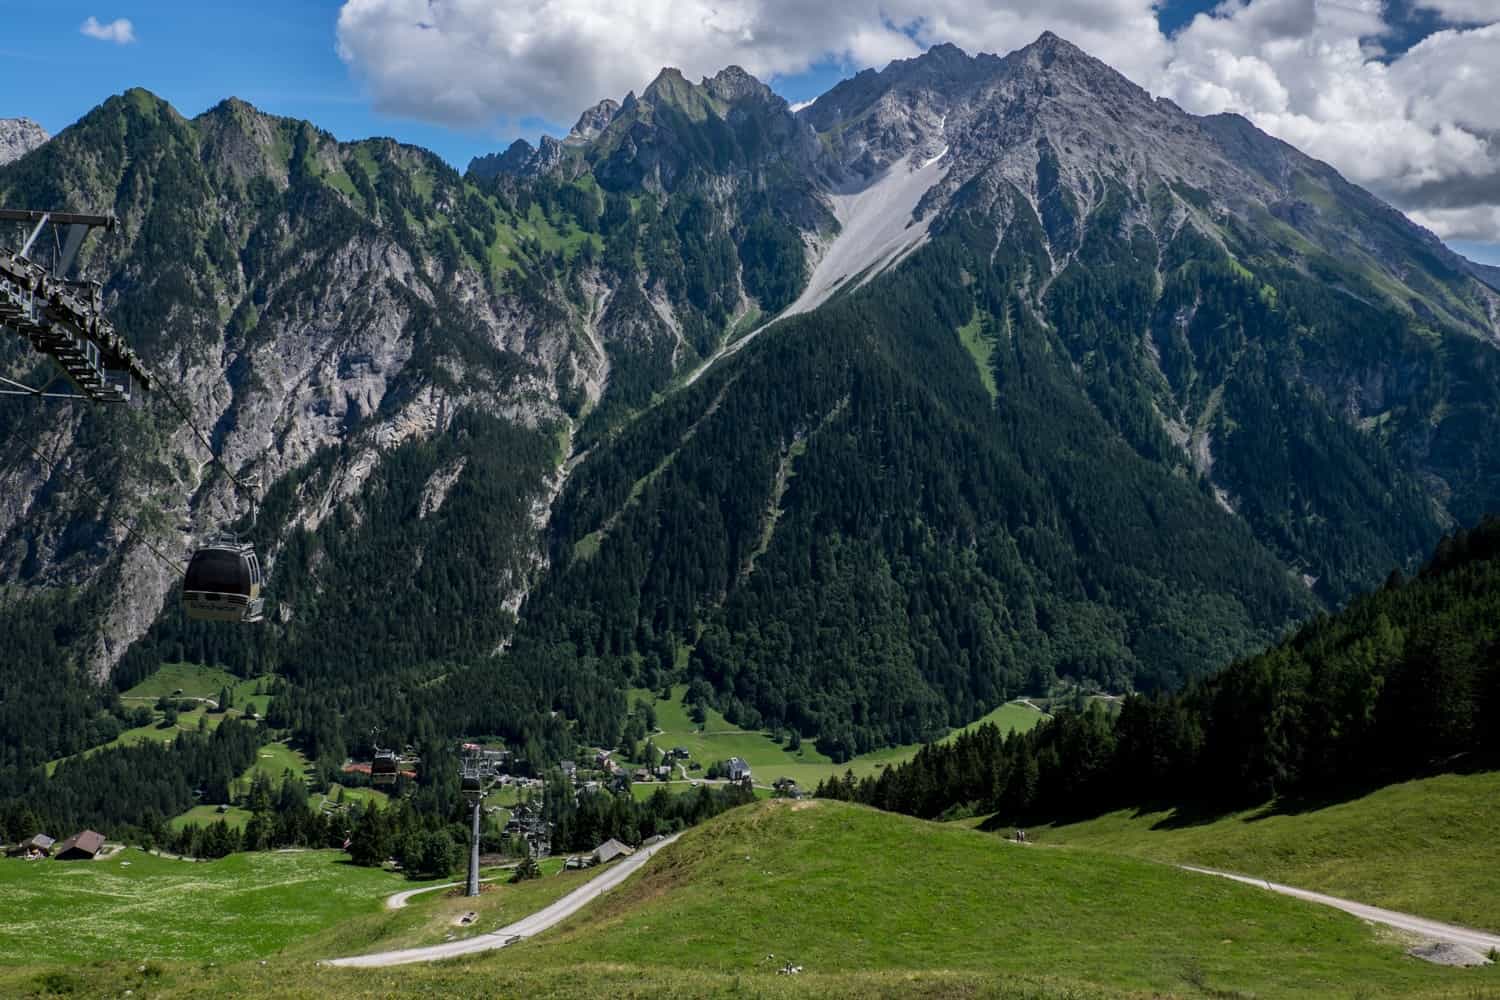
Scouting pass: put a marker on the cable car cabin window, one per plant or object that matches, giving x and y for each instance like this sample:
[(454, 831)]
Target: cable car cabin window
[(255, 577), (216, 571)]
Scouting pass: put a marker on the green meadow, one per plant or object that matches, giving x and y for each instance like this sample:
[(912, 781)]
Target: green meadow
[(135, 906), (719, 739), (866, 904), (1426, 847)]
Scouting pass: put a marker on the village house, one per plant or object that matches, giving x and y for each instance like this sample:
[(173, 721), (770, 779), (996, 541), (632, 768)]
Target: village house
[(737, 769), (609, 850), (83, 846), (39, 846)]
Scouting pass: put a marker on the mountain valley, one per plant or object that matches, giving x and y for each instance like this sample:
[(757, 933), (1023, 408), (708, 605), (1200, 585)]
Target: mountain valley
[(977, 376)]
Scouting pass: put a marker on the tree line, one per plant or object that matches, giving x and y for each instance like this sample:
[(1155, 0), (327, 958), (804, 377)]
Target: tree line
[(1404, 682)]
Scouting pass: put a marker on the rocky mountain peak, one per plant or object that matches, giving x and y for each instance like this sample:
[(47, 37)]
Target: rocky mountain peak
[(874, 119), (19, 136), (1058, 63), (593, 121), (513, 161), (669, 87), (732, 85)]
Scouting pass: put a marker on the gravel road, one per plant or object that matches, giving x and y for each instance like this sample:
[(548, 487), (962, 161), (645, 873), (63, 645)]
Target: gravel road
[(523, 928)]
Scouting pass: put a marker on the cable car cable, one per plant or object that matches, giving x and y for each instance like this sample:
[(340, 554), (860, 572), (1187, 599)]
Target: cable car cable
[(56, 467), (187, 419)]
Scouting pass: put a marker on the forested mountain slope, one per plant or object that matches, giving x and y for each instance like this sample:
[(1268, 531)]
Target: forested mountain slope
[(1138, 391), (1207, 385), (397, 354), (1403, 683)]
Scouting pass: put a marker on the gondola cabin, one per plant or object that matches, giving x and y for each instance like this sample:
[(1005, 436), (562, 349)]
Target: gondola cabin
[(223, 583), (471, 781), (383, 768)]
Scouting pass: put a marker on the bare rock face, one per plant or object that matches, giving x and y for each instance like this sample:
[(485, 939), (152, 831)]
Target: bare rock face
[(19, 136), (301, 320), (1446, 953), (593, 121)]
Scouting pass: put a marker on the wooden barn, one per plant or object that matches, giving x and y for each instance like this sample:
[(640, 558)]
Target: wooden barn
[(83, 846)]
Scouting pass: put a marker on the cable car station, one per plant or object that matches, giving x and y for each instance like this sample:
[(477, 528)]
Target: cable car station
[(64, 319)]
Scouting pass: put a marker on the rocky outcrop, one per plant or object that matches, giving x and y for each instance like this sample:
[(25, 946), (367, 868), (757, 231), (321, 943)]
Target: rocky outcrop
[(19, 136), (303, 325), (592, 122)]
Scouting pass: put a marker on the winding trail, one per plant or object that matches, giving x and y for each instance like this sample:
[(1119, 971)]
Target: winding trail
[(511, 933), (1480, 941), (398, 900)]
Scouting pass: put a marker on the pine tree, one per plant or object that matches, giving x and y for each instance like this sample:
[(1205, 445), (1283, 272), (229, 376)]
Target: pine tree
[(527, 869)]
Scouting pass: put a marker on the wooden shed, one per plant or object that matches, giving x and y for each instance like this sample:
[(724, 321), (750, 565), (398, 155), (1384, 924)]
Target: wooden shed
[(83, 846)]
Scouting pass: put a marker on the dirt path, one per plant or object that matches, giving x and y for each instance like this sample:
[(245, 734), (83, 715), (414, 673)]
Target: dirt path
[(398, 900), (1480, 941), (511, 933)]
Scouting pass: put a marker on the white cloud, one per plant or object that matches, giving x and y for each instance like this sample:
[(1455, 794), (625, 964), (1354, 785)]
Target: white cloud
[(1421, 129), (1464, 11), (120, 30), (478, 62), (1479, 223)]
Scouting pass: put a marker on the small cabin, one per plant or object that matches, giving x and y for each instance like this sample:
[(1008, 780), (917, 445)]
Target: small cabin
[(83, 846), (609, 850), (39, 846)]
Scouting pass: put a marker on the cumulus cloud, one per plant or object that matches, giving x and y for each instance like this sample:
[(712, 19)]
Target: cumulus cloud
[(1463, 11), (1421, 128), (476, 62), (120, 30)]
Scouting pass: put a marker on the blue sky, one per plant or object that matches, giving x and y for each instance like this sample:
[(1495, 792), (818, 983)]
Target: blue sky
[(284, 57), (279, 55)]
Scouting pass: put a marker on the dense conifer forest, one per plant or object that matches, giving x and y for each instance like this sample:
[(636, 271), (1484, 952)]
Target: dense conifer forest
[(1403, 683)]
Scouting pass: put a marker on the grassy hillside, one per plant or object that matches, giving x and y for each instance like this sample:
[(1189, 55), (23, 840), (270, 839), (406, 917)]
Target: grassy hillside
[(869, 904), (720, 739), (835, 887), (1009, 716), (433, 917), (240, 907), (1423, 847), (184, 682)]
